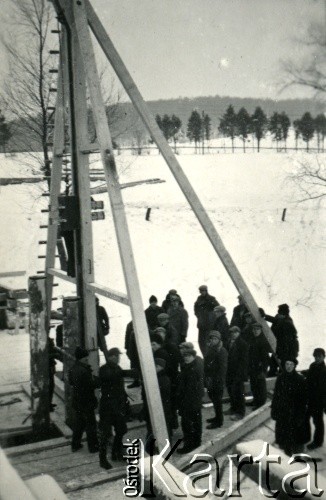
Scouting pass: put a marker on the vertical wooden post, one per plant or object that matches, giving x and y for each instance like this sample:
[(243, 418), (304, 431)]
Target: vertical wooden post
[(72, 337), (39, 355)]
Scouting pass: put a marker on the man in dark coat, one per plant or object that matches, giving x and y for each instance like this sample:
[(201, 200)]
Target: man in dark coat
[(316, 382), (152, 312), (238, 314), (178, 318), (113, 407), (215, 366), (258, 365), (172, 336), (247, 331), (204, 307), (289, 407), (103, 324), (221, 325), (287, 345), (237, 374), (164, 384), (189, 346), (84, 402), (190, 394), (132, 353)]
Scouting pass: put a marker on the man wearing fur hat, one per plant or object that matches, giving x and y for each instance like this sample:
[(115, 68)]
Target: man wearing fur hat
[(203, 308), (289, 408), (221, 324), (167, 301), (84, 402), (215, 364), (190, 394), (287, 345)]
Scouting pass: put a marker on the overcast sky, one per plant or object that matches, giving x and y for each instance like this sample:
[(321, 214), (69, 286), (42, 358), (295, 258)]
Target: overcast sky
[(205, 47)]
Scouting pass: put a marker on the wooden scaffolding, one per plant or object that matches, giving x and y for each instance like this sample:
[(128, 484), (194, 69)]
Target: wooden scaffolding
[(77, 75)]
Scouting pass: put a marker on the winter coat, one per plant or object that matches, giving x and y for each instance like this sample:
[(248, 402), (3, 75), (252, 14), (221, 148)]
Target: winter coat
[(221, 324), (203, 308), (289, 408), (238, 361), (83, 384), (247, 333), (258, 355), (172, 335), (178, 318), (238, 318), (164, 384), (316, 383), (190, 389), (103, 319), (167, 302), (114, 399), (131, 347), (215, 367), (287, 345), (151, 314)]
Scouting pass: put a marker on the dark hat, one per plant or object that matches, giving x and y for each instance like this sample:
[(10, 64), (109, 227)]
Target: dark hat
[(155, 337), (189, 352), (114, 351), (172, 291), (163, 316), (80, 353), (202, 287), (186, 346), (152, 299), (234, 329), (214, 334), (160, 362), (319, 350), (220, 309), (292, 359), (283, 309)]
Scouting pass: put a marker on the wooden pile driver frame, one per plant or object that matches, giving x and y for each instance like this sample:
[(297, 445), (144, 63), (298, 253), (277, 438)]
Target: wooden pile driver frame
[(78, 71)]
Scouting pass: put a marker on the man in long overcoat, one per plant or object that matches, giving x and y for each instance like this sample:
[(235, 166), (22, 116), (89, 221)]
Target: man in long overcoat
[(289, 409), (178, 318), (237, 373), (258, 365), (316, 382), (204, 311)]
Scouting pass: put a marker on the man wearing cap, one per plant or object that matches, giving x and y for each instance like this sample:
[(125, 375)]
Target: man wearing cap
[(152, 312), (190, 394), (237, 373), (316, 382), (239, 311), (84, 402), (172, 336), (289, 408), (221, 324), (178, 318), (215, 364), (189, 346), (113, 407), (204, 307), (258, 365)]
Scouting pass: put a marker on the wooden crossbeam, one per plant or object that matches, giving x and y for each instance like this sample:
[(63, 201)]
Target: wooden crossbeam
[(11, 274), (108, 292), (60, 274)]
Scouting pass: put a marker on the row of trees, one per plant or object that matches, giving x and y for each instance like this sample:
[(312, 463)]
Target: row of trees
[(242, 124)]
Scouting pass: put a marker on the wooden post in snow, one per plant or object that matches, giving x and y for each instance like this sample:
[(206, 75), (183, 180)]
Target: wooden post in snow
[(39, 355), (72, 337)]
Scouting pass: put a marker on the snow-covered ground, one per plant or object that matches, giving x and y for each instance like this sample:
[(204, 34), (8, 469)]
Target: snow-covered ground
[(244, 196)]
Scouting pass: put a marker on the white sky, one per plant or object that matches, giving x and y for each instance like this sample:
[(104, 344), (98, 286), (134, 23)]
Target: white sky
[(204, 47)]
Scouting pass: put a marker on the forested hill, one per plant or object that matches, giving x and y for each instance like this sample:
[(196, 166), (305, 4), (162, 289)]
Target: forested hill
[(215, 106)]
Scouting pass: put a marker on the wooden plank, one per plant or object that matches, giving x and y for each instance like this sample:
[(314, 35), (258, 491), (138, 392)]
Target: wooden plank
[(108, 292), (182, 180), (43, 454), (25, 449), (91, 480), (56, 174), (121, 226), (81, 185), (61, 274), (11, 274)]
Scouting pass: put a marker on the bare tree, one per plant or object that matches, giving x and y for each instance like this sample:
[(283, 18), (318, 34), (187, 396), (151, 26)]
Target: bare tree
[(310, 178), (310, 71), (27, 94)]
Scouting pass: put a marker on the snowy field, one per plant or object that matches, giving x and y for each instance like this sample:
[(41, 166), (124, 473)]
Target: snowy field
[(244, 195)]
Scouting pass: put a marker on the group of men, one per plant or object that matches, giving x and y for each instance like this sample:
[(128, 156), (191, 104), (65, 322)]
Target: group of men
[(231, 352)]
